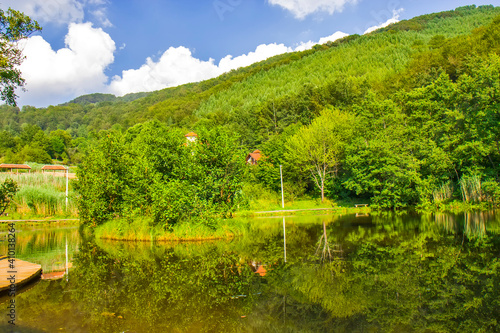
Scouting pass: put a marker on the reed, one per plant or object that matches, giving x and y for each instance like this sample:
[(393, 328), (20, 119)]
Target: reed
[(471, 188), (41, 194), (44, 201), (443, 192), (55, 180)]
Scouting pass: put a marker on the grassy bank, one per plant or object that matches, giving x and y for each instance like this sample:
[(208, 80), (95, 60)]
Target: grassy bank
[(141, 229), (307, 206), (458, 207)]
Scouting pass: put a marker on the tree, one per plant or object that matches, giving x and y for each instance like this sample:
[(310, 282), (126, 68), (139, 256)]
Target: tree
[(101, 179), (7, 191), (319, 148), (216, 169), (14, 26)]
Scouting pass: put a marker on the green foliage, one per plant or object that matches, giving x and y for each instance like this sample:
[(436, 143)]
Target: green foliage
[(320, 147), (216, 169), (443, 193), (42, 200), (14, 26), (151, 170), (491, 191), (7, 191), (101, 180)]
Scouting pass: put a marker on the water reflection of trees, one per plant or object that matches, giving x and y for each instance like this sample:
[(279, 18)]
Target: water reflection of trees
[(44, 246), (472, 224), (170, 293), (397, 273), (403, 275)]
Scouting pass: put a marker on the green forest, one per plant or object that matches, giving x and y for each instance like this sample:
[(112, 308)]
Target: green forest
[(406, 116)]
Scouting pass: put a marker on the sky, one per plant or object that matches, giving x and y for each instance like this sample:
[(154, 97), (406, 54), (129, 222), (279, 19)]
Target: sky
[(126, 46)]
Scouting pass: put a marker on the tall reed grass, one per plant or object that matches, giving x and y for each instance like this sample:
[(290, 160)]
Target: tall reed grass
[(42, 194), (443, 193), (35, 179), (471, 188)]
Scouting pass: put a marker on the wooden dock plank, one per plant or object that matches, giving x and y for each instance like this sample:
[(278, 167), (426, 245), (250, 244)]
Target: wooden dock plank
[(23, 272)]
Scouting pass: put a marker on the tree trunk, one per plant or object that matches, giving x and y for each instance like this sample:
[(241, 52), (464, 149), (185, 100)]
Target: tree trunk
[(322, 190)]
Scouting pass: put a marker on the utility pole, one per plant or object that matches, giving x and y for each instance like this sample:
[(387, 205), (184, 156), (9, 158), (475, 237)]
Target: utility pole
[(67, 181), (283, 206)]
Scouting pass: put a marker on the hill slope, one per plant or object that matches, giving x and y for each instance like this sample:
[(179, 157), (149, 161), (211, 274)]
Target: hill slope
[(365, 59), (258, 101)]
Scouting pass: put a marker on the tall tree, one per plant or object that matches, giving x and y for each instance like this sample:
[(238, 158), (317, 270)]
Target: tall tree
[(14, 26), (319, 148)]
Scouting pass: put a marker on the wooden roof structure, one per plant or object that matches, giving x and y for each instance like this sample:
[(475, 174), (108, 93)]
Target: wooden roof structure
[(191, 134), (54, 167), (15, 166)]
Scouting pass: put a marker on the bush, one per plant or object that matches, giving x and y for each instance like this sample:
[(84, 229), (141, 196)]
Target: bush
[(491, 191)]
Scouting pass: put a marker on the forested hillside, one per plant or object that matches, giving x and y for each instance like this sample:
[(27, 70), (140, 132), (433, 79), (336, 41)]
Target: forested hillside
[(418, 99)]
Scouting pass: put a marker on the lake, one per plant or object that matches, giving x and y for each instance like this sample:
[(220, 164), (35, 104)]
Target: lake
[(366, 273)]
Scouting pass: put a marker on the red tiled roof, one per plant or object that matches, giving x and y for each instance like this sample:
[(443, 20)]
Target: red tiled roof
[(253, 157), (191, 134), (262, 271), (15, 166), (53, 167), (256, 155)]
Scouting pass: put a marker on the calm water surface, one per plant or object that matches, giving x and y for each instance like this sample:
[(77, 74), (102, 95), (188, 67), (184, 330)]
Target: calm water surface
[(377, 273)]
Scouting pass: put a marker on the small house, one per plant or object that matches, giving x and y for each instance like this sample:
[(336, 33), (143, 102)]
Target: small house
[(191, 137), (253, 157)]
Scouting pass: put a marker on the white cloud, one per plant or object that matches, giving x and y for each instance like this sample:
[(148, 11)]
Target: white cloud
[(176, 66), (262, 52), (394, 19), (302, 8), (60, 11), (333, 37), (101, 17), (57, 76), (307, 45)]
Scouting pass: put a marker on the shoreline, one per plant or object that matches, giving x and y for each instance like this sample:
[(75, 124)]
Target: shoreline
[(139, 230), (39, 220)]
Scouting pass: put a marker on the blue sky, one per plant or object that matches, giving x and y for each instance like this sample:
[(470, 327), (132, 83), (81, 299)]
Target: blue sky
[(126, 46)]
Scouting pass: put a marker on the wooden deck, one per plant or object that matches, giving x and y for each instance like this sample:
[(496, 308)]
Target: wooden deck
[(21, 270)]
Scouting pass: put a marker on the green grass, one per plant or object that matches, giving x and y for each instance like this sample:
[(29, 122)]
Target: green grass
[(269, 204), (141, 229)]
